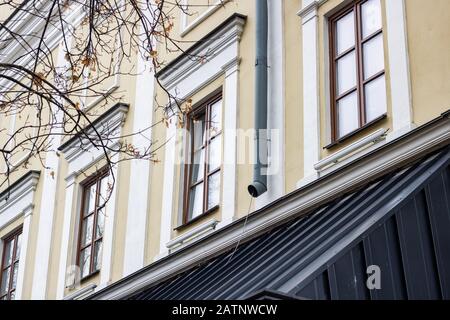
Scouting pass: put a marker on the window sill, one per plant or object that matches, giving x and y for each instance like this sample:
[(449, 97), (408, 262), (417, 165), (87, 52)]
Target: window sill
[(200, 217), (345, 138), (89, 276)]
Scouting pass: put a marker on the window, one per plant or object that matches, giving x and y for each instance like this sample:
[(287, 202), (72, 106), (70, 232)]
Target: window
[(203, 178), (95, 193), (358, 88), (10, 265)]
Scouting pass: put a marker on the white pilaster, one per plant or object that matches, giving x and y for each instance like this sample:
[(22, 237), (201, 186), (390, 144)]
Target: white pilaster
[(402, 114), (135, 237), (65, 240), (168, 189), (109, 232), (23, 251), (311, 104), (47, 208), (231, 100)]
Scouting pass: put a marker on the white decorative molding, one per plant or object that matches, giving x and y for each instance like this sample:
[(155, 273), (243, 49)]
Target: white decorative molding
[(183, 78), (80, 152), (168, 190), (390, 156), (65, 239), (336, 157), (31, 25), (82, 293), (309, 9), (48, 203), (15, 202), (402, 111), (192, 235), (23, 251), (229, 175), (187, 75), (311, 99), (187, 27), (109, 232), (136, 229), (80, 159)]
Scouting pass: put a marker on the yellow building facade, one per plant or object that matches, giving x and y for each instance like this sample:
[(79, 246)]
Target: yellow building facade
[(331, 131)]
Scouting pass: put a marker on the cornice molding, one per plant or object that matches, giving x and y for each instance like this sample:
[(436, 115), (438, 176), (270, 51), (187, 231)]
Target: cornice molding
[(310, 10), (18, 199), (33, 25), (227, 33), (108, 123)]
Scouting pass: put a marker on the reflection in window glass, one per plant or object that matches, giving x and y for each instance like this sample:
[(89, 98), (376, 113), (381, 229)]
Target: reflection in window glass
[(96, 193), (346, 73), (345, 32), (357, 67), (10, 265), (203, 174), (348, 114), (370, 17), (375, 98), (373, 57)]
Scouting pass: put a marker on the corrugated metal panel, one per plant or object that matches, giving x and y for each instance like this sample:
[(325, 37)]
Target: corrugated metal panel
[(401, 223)]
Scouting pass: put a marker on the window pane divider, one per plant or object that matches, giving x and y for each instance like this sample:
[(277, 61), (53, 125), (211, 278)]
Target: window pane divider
[(343, 54), (374, 77), (371, 36), (346, 93), (206, 110)]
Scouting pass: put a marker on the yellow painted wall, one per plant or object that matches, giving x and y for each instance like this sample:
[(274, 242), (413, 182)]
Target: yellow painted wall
[(429, 49), (429, 52), (293, 95)]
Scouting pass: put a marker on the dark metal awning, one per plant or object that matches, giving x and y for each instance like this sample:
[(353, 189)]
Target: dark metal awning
[(400, 223)]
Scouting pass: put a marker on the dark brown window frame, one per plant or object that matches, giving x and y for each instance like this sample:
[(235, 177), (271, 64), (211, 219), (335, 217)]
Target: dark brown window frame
[(94, 180), (355, 6), (203, 108), (13, 236)]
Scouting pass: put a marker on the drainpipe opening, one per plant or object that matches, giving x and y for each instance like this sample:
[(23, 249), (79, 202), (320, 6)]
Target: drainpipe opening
[(256, 189)]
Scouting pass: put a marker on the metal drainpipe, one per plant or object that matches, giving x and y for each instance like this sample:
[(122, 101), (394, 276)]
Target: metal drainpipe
[(259, 184)]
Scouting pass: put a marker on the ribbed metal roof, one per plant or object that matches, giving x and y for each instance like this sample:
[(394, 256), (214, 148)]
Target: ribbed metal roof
[(400, 222)]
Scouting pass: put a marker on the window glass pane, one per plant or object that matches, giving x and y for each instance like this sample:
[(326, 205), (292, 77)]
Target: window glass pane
[(14, 279), (373, 56), (89, 201), (375, 92), (98, 255), (346, 73), (215, 154), (85, 261), (196, 201), (345, 33), (348, 114), (198, 166), (216, 118), (5, 281), (104, 190), (18, 246), (213, 190), (199, 131), (7, 253), (86, 232), (100, 224), (3, 298), (371, 17)]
